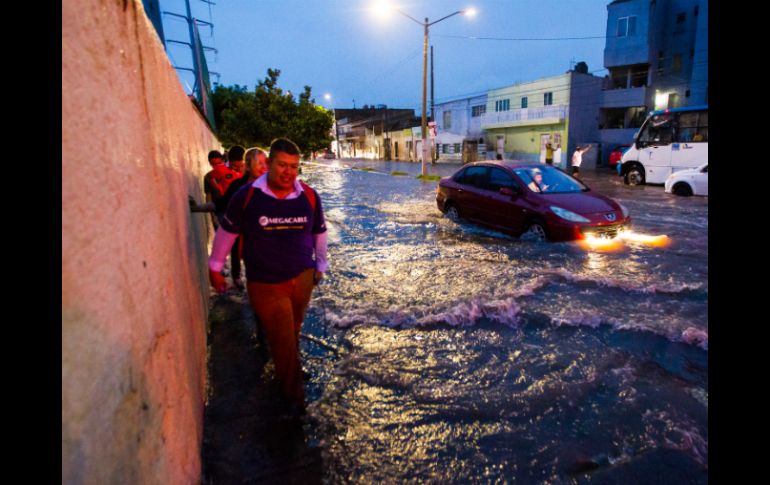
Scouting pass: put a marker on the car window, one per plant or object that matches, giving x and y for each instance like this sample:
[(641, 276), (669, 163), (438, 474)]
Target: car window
[(460, 176), (499, 178), (475, 176), (554, 181)]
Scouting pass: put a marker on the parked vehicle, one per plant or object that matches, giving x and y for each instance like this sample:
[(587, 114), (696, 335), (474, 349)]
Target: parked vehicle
[(694, 181), (520, 198), (669, 140), (616, 154)]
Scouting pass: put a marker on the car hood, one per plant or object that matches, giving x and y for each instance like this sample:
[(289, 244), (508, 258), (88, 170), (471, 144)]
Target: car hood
[(582, 202), (686, 172)]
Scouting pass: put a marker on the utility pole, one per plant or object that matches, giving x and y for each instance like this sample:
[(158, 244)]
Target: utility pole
[(425, 148), (432, 106)]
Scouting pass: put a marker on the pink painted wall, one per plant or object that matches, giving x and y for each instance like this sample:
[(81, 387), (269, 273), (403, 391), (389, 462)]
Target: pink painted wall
[(134, 284)]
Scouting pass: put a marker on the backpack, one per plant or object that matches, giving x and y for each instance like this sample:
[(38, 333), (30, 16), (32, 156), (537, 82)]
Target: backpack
[(308, 193), (222, 177)]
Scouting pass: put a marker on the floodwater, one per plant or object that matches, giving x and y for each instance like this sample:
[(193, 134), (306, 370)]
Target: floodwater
[(458, 354)]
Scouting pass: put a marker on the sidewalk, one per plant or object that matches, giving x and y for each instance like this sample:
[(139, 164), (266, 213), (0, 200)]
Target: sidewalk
[(245, 438)]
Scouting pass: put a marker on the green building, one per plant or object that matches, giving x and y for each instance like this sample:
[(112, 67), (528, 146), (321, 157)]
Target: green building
[(521, 119)]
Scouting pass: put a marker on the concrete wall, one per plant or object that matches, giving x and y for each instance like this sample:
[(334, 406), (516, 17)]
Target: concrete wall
[(523, 142), (585, 96), (134, 289)]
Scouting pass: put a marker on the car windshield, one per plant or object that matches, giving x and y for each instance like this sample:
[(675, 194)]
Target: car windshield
[(549, 180)]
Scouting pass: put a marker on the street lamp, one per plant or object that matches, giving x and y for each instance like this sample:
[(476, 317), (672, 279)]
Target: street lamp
[(382, 8)]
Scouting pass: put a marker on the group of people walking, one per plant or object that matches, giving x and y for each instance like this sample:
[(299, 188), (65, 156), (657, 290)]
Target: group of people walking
[(275, 222)]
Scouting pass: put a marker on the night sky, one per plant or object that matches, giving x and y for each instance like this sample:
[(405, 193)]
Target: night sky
[(342, 48)]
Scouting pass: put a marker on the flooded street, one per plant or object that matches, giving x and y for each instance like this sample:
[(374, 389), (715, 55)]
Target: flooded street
[(458, 354)]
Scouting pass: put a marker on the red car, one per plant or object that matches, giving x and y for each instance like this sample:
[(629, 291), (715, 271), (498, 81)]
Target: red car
[(518, 197), (616, 154)]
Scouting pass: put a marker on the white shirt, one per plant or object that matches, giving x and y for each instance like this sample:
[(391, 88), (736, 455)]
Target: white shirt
[(577, 158)]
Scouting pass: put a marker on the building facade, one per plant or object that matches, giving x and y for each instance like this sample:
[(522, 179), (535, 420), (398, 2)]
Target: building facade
[(360, 132), (459, 134), (656, 53), (521, 119)]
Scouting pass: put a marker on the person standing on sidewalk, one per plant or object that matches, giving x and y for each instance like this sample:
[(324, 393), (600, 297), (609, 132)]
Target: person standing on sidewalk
[(281, 222), (548, 153), (577, 159)]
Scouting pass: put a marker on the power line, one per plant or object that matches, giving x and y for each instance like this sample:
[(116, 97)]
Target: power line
[(519, 39)]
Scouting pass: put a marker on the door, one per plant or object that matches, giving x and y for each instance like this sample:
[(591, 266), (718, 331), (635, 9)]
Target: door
[(544, 140), (501, 145), (472, 192), (657, 139), (501, 210), (690, 148), (702, 182), (470, 151)]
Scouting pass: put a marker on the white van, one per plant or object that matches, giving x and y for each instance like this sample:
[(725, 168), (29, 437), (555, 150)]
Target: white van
[(668, 141)]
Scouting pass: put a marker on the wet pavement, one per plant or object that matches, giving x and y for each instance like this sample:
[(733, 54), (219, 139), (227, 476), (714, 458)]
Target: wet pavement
[(446, 352), (247, 436)]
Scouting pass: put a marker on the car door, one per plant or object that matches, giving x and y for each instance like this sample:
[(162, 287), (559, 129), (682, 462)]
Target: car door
[(702, 181), (501, 208), (471, 191)]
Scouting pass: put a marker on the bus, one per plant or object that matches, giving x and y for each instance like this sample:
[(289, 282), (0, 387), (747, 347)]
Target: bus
[(668, 141)]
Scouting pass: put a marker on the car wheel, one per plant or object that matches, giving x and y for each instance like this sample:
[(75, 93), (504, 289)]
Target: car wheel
[(452, 213), (634, 175), (536, 232), (682, 189)]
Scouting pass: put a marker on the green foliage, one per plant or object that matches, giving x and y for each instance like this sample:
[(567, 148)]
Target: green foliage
[(256, 118), (429, 177), (398, 174)]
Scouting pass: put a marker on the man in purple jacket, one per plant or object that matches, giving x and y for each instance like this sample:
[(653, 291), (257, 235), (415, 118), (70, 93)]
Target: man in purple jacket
[(281, 223)]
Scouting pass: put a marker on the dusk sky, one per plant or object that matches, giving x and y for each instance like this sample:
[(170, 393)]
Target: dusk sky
[(342, 48)]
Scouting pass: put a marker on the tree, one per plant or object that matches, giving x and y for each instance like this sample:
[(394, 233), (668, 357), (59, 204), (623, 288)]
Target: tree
[(256, 118)]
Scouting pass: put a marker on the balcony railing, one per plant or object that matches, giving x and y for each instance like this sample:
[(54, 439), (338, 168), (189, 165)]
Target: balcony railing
[(524, 116)]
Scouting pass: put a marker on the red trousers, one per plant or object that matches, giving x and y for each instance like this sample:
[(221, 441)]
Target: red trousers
[(281, 309)]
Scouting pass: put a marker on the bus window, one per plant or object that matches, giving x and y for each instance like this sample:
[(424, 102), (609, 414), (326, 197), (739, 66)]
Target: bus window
[(659, 130), (692, 127)]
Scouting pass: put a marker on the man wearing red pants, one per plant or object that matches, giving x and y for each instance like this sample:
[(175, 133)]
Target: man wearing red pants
[(281, 223)]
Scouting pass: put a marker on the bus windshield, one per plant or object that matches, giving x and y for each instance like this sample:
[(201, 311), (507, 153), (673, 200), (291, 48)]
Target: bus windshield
[(657, 130)]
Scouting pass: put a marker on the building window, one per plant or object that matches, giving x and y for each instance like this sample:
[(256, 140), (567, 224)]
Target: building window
[(524, 102), (660, 63), (457, 148), (447, 120), (547, 99), (627, 26), (503, 105), (680, 22), (444, 148), (676, 63), (478, 110)]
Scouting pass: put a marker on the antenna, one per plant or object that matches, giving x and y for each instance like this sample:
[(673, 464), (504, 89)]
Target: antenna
[(196, 69)]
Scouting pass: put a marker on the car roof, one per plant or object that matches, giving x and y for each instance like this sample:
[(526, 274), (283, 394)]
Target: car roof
[(509, 164)]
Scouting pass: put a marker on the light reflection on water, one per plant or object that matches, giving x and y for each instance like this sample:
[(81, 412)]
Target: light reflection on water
[(471, 356)]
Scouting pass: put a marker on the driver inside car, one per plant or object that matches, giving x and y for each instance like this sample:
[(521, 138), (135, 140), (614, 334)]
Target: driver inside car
[(537, 184)]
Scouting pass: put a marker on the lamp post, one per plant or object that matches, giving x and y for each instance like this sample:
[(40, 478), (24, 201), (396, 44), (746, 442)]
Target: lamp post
[(426, 25), (338, 154)]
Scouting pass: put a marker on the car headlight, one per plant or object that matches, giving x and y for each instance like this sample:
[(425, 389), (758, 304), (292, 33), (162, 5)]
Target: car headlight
[(623, 208), (570, 216)]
